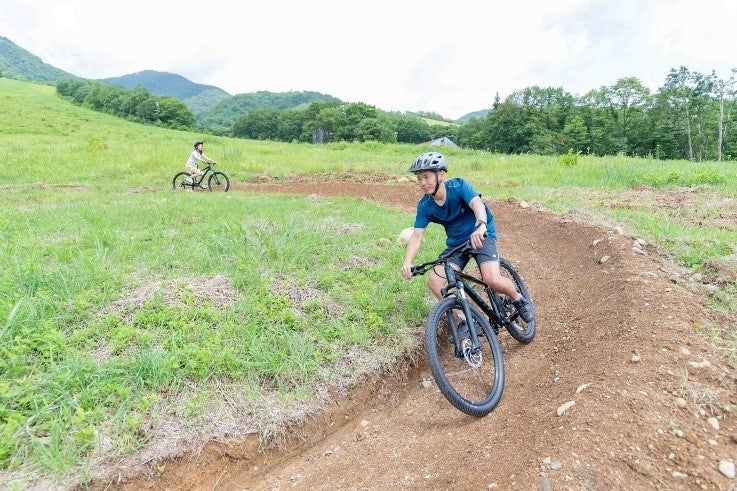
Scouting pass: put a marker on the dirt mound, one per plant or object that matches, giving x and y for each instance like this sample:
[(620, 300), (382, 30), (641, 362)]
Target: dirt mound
[(621, 344)]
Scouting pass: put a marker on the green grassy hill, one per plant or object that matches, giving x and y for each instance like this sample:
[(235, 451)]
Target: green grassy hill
[(17, 63)]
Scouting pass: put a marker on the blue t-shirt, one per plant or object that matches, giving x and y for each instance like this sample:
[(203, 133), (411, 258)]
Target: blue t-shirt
[(455, 215)]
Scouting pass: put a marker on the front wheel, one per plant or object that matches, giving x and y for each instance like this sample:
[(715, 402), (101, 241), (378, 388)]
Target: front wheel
[(520, 330), (471, 379), (182, 181), (218, 182)]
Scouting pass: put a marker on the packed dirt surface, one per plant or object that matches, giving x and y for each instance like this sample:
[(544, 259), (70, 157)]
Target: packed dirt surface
[(620, 389)]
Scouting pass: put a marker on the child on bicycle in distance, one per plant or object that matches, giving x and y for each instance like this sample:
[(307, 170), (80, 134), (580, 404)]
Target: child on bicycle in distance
[(456, 206), (194, 158)]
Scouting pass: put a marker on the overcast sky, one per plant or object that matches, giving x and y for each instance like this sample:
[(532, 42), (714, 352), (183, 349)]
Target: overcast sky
[(448, 57)]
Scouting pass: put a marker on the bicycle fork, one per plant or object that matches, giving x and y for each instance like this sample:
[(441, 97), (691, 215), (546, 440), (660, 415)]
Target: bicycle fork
[(469, 349)]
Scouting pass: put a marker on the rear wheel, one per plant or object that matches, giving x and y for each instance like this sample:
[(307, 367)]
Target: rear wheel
[(182, 181), (471, 379), (520, 330), (218, 182)]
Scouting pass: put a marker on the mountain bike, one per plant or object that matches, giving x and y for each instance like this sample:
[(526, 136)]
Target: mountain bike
[(216, 180), (466, 358)]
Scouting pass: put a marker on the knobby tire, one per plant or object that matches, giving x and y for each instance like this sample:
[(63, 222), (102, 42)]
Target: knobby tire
[(477, 390), (522, 331), (178, 183), (218, 182)]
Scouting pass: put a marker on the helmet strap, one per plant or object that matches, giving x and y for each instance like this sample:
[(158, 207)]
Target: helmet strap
[(437, 185)]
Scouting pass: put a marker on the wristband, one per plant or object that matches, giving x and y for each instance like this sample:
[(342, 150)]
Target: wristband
[(479, 222)]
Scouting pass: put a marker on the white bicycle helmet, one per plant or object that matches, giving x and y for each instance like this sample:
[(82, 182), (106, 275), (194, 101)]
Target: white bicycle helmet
[(429, 161)]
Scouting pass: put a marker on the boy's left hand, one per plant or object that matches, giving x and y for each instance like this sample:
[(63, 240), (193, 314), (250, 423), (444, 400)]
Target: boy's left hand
[(477, 237)]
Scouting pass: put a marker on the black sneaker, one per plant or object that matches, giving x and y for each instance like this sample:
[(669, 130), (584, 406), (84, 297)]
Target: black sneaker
[(524, 307)]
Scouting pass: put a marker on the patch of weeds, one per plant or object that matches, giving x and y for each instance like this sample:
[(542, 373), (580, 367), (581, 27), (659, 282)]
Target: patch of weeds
[(95, 144), (315, 309), (338, 146), (656, 180), (195, 405), (676, 178), (699, 254), (730, 350), (372, 145), (723, 299), (709, 177), (279, 312), (476, 165), (13, 421), (121, 336), (570, 158)]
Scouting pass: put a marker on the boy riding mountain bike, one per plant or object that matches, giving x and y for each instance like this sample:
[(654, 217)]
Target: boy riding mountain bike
[(456, 206)]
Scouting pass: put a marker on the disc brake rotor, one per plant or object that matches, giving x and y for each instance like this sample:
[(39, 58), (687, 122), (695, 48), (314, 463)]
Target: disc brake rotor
[(474, 360)]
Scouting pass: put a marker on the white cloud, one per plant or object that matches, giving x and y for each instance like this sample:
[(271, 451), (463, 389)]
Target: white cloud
[(449, 58), (698, 35)]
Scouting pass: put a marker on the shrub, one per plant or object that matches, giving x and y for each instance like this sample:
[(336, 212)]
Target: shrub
[(570, 158)]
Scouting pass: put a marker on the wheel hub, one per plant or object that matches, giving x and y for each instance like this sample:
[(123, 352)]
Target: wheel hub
[(474, 358)]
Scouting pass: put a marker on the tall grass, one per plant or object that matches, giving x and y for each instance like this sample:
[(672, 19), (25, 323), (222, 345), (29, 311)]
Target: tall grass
[(105, 325), (83, 364)]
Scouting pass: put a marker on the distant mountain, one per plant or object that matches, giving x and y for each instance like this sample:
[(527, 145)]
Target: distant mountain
[(213, 107), (222, 116), (19, 64), (198, 97), (474, 115)]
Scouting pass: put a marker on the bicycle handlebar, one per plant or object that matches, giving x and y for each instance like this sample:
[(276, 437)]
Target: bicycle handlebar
[(424, 267)]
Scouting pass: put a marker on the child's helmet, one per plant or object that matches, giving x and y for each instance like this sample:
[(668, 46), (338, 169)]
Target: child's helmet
[(429, 161)]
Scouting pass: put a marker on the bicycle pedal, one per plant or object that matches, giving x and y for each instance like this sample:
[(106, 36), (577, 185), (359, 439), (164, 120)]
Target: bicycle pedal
[(494, 327)]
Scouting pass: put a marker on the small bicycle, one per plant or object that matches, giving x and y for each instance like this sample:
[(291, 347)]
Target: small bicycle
[(216, 180), (466, 358)]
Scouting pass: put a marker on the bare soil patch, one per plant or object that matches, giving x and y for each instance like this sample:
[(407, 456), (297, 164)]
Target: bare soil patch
[(622, 335)]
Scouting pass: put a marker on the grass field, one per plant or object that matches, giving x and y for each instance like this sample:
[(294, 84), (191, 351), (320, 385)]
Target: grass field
[(103, 328)]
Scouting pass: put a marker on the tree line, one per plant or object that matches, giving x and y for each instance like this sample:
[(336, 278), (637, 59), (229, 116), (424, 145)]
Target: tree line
[(692, 116), (136, 104)]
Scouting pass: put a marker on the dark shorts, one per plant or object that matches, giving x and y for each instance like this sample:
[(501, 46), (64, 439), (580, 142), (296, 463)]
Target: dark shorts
[(487, 252)]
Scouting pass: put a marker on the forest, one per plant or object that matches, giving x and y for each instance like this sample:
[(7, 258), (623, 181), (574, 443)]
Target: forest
[(691, 116)]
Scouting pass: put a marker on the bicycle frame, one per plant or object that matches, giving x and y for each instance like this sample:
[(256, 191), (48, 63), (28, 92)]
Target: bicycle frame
[(204, 174), (460, 284), (492, 309)]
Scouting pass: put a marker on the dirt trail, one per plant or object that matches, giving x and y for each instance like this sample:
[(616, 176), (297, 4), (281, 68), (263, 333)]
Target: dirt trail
[(617, 335)]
